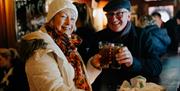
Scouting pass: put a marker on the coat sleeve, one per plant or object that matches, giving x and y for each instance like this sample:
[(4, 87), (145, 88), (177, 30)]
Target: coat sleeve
[(92, 72), (44, 75)]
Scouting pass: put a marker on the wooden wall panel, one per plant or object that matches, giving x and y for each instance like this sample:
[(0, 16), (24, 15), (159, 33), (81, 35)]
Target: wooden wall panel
[(3, 34), (7, 23)]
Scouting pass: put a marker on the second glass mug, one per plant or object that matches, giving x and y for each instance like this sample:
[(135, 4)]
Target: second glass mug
[(108, 52)]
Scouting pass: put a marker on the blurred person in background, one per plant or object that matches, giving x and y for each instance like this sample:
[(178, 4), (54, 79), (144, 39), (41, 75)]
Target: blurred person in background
[(149, 28), (13, 74), (57, 65), (138, 56), (173, 29), (157, 17)]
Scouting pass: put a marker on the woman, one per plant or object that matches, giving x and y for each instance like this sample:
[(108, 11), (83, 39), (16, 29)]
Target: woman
[(52, 61), (13, 76)]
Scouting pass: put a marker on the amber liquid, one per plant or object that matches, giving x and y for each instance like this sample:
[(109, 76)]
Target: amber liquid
[(108, 52)]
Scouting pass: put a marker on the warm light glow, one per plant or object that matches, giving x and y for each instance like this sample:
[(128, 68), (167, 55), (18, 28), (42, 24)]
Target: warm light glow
[(165, 11), (164, 15), (100, 20)]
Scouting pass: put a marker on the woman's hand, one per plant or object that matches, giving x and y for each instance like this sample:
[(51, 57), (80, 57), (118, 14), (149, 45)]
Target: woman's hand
[(95, 62), (124, 57)]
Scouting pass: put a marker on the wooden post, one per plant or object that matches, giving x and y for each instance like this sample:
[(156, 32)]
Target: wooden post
[(7, 23)]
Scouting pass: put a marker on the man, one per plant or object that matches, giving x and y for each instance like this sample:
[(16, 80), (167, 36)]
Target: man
[(157, 17), (134, 58), (173, 29)]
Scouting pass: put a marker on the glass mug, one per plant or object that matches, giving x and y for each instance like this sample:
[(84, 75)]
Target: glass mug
[(108, 52)]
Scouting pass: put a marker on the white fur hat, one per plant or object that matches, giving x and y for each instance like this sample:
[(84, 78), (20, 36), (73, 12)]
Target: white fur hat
[(57, 5)]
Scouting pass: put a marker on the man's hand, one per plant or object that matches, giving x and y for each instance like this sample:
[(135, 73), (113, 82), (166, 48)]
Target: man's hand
[(124, 57)]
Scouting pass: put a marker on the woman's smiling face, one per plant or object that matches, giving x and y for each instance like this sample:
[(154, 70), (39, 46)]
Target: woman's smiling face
[(64, 21)]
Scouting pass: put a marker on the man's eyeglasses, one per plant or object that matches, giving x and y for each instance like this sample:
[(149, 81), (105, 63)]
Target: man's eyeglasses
[(117, 14)]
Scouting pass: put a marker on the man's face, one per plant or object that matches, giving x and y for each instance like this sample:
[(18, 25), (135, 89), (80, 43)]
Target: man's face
[(117, 19), (157, 20)]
